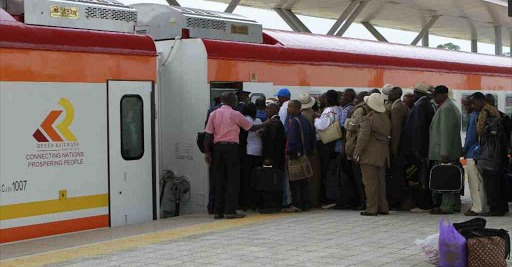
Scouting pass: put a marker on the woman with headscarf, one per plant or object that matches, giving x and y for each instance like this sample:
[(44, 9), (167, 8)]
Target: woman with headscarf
[(372, 153)]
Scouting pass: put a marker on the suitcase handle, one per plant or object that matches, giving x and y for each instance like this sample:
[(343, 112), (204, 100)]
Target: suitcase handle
[(264, 166)]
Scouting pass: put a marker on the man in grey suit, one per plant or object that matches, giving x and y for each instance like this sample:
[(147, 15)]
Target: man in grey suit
[(445, 144)]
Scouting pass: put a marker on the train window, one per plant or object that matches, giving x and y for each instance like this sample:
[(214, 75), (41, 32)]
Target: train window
[(132, 127), (508, 105)]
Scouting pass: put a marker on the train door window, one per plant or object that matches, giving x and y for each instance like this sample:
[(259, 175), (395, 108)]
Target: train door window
[(132, 127), (217, 88)]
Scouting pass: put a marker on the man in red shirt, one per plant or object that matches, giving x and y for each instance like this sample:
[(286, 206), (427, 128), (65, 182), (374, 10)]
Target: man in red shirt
[(224, 127)]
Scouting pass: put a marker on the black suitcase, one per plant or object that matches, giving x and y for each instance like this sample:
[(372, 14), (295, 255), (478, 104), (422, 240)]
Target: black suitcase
[(268, 182), (446, 178)]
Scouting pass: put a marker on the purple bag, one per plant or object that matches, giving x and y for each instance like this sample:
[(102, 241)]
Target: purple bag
[(452, 246)]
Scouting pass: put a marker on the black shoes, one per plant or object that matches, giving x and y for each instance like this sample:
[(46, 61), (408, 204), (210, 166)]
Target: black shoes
[(228, 216), (439, 211), (383, 213), (234, 216), (492, 214), (364, 213)]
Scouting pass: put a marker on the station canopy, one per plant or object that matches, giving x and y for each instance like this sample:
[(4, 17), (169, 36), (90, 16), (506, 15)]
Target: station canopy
[(462, 19)]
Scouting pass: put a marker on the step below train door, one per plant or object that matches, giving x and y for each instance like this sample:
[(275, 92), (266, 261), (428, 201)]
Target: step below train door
[(131, 181)]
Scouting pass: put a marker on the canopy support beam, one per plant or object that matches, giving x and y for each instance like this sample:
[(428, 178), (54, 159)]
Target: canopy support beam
[(374, 32), (498, 43), (293, 21), (173, 2), (231, 7), (474, 45), (425, 29), (425, 40), (352, 17), (343, 17)]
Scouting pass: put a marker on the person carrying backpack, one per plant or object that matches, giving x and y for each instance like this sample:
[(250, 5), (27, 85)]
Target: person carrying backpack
[(493, 137)]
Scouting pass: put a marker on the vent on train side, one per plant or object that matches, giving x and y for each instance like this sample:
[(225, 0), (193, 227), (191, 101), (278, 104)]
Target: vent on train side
[(110, 14), (165, 22), (104, 15)]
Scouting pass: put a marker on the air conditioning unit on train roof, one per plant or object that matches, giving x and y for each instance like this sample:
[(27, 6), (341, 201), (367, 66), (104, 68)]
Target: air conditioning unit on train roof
[(164, 22), (103, 15)]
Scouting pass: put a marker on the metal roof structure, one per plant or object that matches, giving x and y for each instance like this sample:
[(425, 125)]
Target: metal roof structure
[(484, 21)]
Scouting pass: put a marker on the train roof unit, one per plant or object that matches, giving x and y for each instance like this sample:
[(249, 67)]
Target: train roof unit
[(165, 22)]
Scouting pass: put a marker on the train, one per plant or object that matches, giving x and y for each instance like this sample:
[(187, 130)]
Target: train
[(98, 100)]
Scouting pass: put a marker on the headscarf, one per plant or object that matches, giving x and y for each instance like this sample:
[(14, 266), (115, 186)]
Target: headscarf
[(486, 111)]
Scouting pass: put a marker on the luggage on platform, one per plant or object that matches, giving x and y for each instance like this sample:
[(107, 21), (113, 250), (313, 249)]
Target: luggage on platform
[(446, 178), (268, 182), (487, 247)]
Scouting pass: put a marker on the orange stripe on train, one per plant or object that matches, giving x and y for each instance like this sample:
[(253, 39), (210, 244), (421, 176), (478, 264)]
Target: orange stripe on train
[(53, 228), (18, 65)]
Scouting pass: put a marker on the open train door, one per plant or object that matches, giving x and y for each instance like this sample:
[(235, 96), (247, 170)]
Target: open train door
[(131, 181)]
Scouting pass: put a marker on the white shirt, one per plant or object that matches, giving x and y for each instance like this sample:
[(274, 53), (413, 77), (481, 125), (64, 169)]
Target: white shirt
[(254, 142), (328, 117), (283, 113)]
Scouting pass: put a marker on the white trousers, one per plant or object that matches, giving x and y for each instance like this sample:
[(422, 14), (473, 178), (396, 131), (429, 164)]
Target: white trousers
[(476, 188)]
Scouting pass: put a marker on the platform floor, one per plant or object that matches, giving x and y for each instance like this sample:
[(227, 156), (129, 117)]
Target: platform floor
[(316, 238)]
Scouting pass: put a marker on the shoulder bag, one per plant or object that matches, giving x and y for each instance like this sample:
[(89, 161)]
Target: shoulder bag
[(300, 168), (332, 133)]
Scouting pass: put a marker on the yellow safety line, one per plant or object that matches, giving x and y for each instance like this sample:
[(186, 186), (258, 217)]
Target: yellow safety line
[(52, 206), (135, 241)]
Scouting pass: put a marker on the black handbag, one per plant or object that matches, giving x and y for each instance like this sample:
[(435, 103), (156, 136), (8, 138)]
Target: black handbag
[(446, 178), (266, 178), (200, 141)]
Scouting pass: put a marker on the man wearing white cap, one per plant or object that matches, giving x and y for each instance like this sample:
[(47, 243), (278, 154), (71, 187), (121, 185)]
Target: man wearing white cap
[(386, 90), (414, 146), (372, 153)]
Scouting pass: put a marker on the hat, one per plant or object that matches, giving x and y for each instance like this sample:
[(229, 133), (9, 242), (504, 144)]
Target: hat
[(422, 88), (441, 89), (307, 101), (284, 92), (386, 90), (375, 102), (271, 100), (243, 93)]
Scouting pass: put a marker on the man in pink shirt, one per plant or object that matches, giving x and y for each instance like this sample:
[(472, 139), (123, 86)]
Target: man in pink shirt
[(224, 127)]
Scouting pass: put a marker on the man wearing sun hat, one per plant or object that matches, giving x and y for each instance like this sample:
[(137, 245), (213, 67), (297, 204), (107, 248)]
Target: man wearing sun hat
[(372, 153), (414, 146)]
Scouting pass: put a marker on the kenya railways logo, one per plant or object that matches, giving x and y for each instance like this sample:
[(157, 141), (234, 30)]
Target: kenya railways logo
[(61, 133)]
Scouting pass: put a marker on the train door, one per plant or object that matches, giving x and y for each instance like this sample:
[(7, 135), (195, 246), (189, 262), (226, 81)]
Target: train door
[(130, 152)]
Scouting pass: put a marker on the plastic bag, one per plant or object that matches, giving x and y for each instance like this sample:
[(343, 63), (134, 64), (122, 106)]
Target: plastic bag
[(430, 247), (452, 246)]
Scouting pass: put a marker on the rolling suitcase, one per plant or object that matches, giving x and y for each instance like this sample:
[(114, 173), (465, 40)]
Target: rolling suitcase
[(268, 182), (446, 178)]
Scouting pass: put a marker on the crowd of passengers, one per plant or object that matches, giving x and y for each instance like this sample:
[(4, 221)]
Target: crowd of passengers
[(389, 143)]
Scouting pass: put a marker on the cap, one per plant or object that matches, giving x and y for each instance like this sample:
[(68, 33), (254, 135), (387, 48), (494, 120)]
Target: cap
[(441, 89), (243, 93), (284, 92)]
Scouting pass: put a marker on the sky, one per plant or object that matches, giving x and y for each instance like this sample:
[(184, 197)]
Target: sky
[(270, 19)]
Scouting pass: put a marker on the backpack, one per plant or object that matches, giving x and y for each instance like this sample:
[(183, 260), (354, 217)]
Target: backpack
[(494, 143)]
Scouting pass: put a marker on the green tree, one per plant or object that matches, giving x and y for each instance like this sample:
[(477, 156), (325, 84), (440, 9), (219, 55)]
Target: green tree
[(449, 46)]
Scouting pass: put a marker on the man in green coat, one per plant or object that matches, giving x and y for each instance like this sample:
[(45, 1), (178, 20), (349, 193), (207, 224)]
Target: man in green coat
[(445, 144)]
